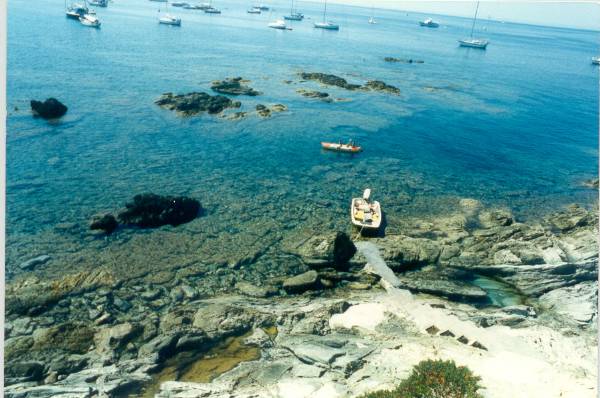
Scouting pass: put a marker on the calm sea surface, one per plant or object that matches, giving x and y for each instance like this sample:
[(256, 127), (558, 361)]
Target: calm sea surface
[(514, 126)]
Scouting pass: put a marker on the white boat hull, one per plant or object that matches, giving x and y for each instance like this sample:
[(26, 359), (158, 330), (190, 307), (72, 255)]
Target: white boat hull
[(326, 26), (596, 60), (365, 219), (170, 21), (481, 44)]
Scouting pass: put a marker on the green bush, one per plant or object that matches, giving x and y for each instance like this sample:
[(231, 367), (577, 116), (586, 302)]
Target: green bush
[(435, 379)]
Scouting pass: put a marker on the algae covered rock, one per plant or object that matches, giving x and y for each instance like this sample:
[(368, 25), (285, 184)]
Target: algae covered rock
[(196, 102), (150, 210), (233, 86)]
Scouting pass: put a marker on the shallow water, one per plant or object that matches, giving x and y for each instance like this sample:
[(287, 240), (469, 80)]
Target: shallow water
[(500, 294), (510, 126)]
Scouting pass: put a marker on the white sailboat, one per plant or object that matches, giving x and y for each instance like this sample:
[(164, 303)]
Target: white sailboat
[(471, 42), (169, 19), (254, 10), (326, 24), (76, 10), (294, 14), (372, 20), (211, 10)]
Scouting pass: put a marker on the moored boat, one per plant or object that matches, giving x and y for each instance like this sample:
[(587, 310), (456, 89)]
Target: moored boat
[(339, 147), (278, 24), (429, 23), (364, 213), (99, 3), (89, 20), (596, 60), (212, 10), (76, 10), (179, 4), (327, 25), (254, 10), (471, 42), (168, 19)]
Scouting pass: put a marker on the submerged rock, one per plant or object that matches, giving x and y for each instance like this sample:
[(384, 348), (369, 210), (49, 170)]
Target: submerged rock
[(150, 210), (335, 248), (233, 86), (266, 111), (330, 80), (593, 183), (49, 109), (378, 85), (106, 222), (34, 262), (194, 103), (315, 94)]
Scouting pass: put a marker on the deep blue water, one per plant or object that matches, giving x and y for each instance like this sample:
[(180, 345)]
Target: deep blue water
[(514, 126)]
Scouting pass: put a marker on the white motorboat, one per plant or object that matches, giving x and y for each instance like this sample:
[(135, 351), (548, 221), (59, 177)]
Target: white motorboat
[(429, 23), (99, 3), (327, 25), (89, 20), (212, 10), (596, 60), (254, 10), (168, 19), (278, 24), (364, 213), (76, 10), (471, 42)]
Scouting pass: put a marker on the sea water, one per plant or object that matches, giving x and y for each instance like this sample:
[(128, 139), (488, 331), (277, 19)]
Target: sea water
[(514, 126)]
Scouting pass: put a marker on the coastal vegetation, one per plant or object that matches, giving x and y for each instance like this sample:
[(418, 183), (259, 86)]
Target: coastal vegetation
[(435, 379)]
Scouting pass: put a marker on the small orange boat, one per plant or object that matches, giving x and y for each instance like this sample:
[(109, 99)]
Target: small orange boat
[(339, 147)]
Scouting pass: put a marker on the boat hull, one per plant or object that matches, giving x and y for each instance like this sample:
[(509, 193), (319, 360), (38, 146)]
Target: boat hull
[(326, 26), (293, 18), (357, 215), (330, 146), (469, 44), (429, 25), (596, 61), (170, 22)]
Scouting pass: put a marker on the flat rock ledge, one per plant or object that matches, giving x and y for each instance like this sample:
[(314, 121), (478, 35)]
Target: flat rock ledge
[(196, 102)]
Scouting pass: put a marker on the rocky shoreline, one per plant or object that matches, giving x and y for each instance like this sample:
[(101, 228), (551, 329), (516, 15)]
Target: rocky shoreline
[(330, 329)]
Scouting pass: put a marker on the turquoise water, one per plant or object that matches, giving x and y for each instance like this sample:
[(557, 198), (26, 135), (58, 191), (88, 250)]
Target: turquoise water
[(514, 126)]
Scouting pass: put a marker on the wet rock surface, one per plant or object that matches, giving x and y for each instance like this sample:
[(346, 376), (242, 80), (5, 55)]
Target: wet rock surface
[(196, 102), (378, 85), (329, 80), (48, 109)]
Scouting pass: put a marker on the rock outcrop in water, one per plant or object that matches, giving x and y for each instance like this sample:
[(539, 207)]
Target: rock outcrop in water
[(194, 103), (233, 86), (330, 80), (267, 111), (150, 211), (333, 80), (49, 109), (403, 60), (104, 222)]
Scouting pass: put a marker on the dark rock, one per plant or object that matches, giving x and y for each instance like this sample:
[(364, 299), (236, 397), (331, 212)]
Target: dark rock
[(330, 80), (301, 283), (335, 249), (26, 371), (436, 305), (151, 211), (401, 252), (444, 282), (69, 337), (233, 86), (378, 85), (477, 344), (404, 60), (34, 262), (106, 222), (194, 103), (463, 340), (432, 330), (314, 94), (447, 333), (49, 109)]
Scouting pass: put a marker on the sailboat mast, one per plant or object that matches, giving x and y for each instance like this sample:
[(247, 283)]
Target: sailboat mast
[(292, 9), (325, 12), (474, 19)]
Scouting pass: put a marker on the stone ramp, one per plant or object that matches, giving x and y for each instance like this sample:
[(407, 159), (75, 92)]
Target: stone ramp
[(376, 264)]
